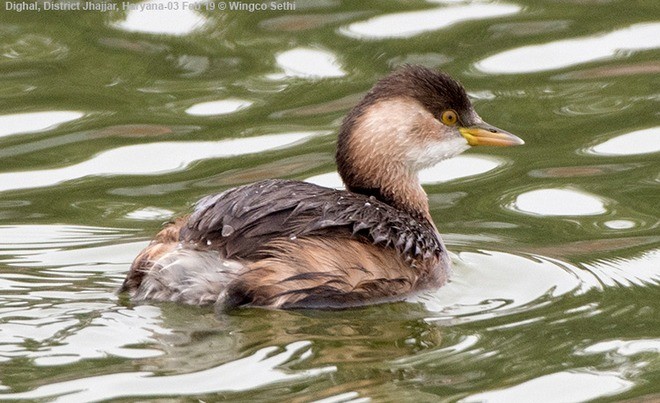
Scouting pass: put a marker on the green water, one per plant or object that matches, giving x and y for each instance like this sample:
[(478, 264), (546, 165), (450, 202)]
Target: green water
[(109, 126)]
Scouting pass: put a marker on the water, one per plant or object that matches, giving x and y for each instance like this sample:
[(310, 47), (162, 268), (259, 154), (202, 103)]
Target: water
[(114, 122)]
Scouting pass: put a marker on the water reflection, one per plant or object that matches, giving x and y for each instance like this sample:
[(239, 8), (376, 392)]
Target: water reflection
[(126, 131), (294, 23), (146, 17), (150, 159), (597, 104), (308, 63), (63, 272), (640, 270), (38, 236), (528, 28), (490, 283), (559, 202), (150, 213), (106, 335), (329, 180), (626, 348), (581, 171), (221, 107), (566, 386), (620, 224), (535, 304), (255, 371), (18, 48), (485, 285), (35, 121), (570, 52), (407, 24), (618, 70), (643, 141)]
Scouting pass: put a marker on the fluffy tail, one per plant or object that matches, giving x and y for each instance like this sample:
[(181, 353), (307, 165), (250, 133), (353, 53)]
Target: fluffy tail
[(188, 276), (164, 271)]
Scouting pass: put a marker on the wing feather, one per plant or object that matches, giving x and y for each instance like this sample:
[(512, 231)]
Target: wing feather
[(241, 221)]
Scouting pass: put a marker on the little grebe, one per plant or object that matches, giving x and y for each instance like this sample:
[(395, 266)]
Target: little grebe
[(290, 244)]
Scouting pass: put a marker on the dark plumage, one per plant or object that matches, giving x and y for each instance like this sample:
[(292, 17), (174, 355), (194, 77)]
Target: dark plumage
[(290, 244), (240, 221)]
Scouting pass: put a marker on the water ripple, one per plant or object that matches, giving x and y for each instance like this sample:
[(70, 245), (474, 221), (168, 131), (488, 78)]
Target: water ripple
[(255, 371), (532, 28), (598, 105), (56, 292), (294, 23), (150, 159), (491, 283), (617, 70), (14, 237), (645, 141), (571, 52), (146, 17), (32, 122), (559, 202), (308, 63), (220, 107), (408, 24), (150, 213), (626, 348), (642, 270), (32, 48), (581, 171), (580, 384)]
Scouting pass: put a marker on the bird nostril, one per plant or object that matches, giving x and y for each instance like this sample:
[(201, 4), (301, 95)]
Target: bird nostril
[(492, 130)]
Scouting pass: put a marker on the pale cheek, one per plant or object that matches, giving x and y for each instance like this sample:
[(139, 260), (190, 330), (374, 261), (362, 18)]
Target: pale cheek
[(425, 156)]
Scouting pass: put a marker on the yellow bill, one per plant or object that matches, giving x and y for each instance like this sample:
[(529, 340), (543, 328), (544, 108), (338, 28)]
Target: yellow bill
[(487, 135)]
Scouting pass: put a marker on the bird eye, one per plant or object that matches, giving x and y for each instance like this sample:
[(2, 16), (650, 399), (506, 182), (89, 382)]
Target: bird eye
[(449, 117)]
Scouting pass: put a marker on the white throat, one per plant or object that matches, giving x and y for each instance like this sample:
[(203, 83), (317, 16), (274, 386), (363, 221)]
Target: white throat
[(427, 155)]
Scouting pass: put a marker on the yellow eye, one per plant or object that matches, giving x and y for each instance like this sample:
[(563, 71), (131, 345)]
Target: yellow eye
[(449, 117)]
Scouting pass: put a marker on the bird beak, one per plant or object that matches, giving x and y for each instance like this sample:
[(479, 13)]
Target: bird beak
[(484, 134)]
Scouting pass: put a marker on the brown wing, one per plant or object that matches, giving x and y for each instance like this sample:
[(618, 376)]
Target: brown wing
[(242, 221), (322, 272)]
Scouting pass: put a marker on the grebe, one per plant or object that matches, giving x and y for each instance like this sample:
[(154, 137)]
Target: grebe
[(291, 244)]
